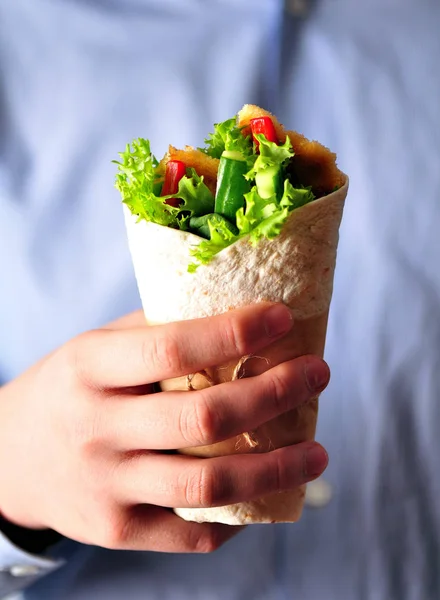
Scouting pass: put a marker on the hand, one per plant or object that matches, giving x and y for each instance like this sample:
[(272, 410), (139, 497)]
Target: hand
[(81, 432)]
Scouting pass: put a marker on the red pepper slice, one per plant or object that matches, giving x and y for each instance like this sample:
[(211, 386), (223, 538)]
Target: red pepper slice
[(175, 170), (265, 126)]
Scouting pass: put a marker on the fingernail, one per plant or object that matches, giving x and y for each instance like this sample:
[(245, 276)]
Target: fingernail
[(316, 460), (317, 374), (278, 320)]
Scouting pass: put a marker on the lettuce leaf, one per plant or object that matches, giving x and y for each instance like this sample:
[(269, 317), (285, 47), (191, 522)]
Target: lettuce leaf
[(271, 155), (264, 217), (221, 238), (256, 210), (195, 194), (273, 216), (295, 197), (227, 136), (138, 182)]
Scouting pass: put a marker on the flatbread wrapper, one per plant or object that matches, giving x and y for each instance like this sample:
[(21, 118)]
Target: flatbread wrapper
[(296, 268)]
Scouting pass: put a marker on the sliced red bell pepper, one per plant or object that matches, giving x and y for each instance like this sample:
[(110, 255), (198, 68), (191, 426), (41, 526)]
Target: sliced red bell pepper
[(175, 170), (265, 126)]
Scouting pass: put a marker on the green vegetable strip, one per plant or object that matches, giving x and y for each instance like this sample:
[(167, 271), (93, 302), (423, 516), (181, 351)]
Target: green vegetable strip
[(231, 184), (270, 182), (200, 225)]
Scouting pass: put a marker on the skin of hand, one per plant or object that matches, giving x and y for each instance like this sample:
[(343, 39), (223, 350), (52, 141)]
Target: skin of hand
[(84, 437)]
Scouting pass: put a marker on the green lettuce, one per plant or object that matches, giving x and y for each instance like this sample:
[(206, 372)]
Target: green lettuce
[(295, 197), (221, 238), (272, 156), (272, 216), (139, 183), (255, 211), (227, 136), (196, 197)]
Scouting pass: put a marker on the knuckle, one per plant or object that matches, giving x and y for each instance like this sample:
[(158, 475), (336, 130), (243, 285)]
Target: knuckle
[(87, 441), (77, 354), (162, 352), (192, 488), (234, 337), (279, 475), (279, 391), (200, 423), (84, 429), (200, 487), (280, 472), (115, 531), (207, 542), (272, 476), (210, 492), (87, 432)]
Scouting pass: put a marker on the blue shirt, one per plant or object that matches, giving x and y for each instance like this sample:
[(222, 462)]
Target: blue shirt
[(81, 78)]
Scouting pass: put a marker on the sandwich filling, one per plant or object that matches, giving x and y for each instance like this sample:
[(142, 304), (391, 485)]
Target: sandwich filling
[(246, 181)]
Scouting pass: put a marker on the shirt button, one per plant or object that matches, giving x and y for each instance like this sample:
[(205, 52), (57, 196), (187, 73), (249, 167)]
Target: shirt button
[(297, 7), (24, 570), (318, 494)]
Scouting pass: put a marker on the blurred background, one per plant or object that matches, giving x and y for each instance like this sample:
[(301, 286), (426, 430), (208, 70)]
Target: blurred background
[(81, 78)]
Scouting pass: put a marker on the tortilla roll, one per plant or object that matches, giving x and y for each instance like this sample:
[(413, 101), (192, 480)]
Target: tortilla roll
[(296, 268)]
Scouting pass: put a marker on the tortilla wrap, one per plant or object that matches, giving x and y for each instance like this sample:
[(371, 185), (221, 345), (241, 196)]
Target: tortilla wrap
[(296, 268)]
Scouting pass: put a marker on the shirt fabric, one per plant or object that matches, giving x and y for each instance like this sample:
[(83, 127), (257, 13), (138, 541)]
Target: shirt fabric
[(80, 78)]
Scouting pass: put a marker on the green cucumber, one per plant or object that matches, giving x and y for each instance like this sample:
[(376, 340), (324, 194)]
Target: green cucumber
[(231, 184), (270, 182)]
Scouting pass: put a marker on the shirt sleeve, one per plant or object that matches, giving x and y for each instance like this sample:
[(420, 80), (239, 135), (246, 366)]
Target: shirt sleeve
[(19, 569)]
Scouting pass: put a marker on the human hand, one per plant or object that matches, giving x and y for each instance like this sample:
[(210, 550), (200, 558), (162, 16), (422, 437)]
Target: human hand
[(82, 435)]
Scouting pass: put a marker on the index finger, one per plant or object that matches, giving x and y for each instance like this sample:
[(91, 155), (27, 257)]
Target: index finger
[(143, 355)]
